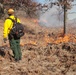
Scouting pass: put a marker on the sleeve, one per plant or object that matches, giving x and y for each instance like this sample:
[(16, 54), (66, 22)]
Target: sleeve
[(7, 23)]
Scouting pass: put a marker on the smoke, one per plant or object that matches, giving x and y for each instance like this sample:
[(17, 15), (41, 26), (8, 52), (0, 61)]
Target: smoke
[(53, 17)]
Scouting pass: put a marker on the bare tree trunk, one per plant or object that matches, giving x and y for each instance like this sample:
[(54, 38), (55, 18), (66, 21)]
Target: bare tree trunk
[(65, 16)]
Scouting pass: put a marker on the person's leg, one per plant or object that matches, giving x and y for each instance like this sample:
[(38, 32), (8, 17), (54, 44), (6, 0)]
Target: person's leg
[(13, 46), (19, 49)]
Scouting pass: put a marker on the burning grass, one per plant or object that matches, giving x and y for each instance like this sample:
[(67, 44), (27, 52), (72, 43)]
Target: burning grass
[(60, 39), (43, 53)]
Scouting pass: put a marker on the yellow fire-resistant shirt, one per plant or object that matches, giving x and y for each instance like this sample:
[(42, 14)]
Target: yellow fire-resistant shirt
[(8, 24)]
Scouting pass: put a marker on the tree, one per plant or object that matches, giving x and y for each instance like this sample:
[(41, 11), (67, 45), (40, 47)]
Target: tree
[(29, 6), (66, 5)]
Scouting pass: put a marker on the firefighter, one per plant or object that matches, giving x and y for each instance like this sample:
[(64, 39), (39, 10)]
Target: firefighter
[(13, 41)]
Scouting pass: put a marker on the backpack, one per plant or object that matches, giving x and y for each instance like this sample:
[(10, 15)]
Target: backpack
[(17, 29)]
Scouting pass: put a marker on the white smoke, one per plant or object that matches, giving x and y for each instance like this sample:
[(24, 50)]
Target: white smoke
[(53, 17)]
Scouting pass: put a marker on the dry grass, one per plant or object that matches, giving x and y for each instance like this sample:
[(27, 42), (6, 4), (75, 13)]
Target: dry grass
[(44, 52)]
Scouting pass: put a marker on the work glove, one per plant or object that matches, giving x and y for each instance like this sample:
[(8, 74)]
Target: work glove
[(5, 39)]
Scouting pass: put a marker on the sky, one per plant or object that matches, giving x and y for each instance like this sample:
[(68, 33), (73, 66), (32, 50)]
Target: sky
[(41, 1), (70, 14)]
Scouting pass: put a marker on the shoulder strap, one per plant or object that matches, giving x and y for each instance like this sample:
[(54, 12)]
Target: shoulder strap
[(11, 19), (14, 21)]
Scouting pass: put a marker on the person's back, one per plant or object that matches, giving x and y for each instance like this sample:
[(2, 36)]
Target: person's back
[(14, 42), (8, 25)]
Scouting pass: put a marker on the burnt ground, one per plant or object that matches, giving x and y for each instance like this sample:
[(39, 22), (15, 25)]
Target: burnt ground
[(44, 52)]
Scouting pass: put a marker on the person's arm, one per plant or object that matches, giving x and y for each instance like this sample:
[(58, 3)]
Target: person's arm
[(7, 23)]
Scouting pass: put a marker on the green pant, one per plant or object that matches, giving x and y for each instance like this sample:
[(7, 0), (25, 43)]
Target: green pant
[(15, 46)]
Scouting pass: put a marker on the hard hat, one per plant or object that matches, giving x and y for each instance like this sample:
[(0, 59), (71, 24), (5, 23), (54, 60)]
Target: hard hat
[(10, 11)]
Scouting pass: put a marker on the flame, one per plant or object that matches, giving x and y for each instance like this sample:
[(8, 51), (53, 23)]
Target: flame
[(35, 20), (29, 42), (22, 44), (59, 39), (64, 39), (48, 39), (33, 42), (56, 39)]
